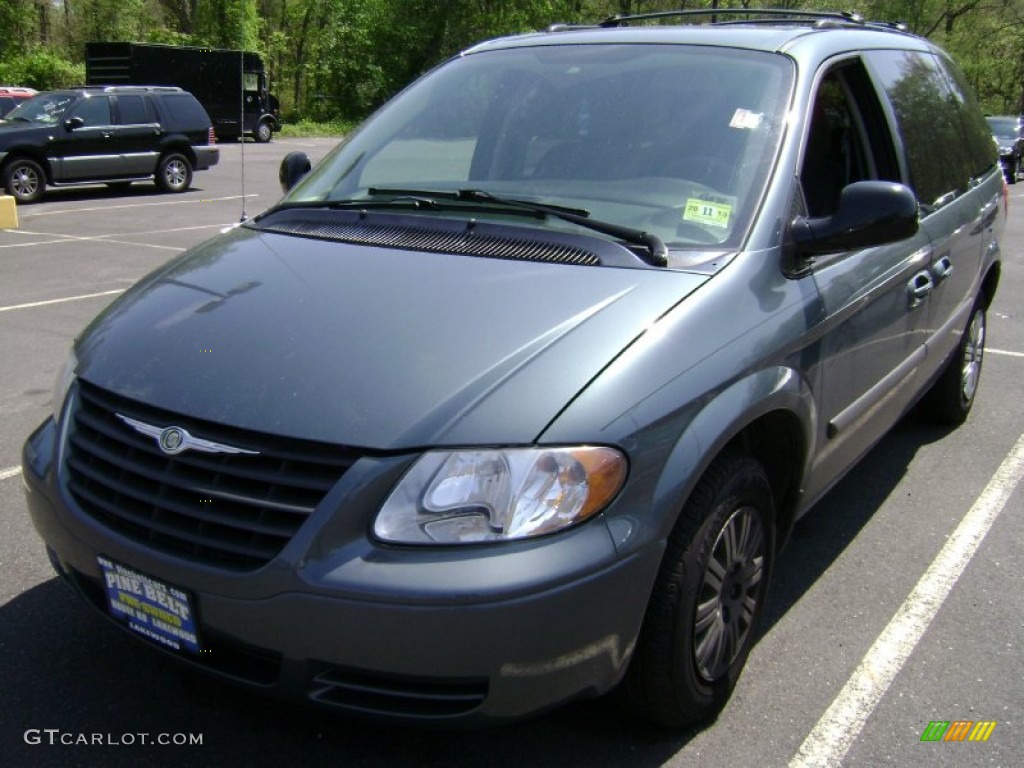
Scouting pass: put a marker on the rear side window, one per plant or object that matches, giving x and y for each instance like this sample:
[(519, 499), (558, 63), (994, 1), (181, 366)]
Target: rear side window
[(133, 110), (941, 145), (182, 110), (977, 136)]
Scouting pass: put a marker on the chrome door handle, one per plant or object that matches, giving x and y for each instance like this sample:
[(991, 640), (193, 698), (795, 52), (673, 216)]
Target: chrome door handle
[(942, 269), (920, 286)]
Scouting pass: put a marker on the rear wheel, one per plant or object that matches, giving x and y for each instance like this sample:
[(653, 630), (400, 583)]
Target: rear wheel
[(174, 173), (951, 397), (24, 180), (703, 613)]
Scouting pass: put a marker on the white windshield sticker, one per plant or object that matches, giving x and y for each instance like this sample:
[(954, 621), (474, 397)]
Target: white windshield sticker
[(744, 118)]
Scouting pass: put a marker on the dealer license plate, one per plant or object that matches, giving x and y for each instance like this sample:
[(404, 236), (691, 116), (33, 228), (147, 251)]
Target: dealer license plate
[(153, 609)]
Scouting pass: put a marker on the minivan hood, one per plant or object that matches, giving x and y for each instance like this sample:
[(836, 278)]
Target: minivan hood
[(364, 346)]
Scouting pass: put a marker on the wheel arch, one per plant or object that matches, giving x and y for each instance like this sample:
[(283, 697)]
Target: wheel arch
[(990, 283), (769, 416), (177, 147), (32, 153)]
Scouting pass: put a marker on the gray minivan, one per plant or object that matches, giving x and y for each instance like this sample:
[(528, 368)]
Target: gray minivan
[(515, 397)]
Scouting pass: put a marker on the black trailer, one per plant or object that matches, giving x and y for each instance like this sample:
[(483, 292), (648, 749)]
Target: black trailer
[(229, 84)]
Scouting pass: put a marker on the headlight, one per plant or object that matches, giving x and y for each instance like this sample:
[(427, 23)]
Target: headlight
[(65, 378), (456, 497)]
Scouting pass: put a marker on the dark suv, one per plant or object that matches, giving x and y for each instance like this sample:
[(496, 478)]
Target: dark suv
[(115, 135), (1008, 133), (517, 395)]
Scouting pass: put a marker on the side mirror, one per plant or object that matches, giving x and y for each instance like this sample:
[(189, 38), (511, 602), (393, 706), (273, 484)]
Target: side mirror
[(294, 166), (74, 123), (870, 213)]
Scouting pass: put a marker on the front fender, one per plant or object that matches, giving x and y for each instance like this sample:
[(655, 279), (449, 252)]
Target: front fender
[(723, 420)]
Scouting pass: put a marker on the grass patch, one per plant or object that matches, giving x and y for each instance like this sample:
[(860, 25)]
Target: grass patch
[(310, 128)]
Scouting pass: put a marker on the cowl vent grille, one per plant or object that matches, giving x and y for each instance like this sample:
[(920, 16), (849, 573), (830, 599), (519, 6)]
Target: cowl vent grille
[(465, 241)]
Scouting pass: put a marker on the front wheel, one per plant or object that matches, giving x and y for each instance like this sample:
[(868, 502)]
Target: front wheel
[(263, 133), (951, 397), (24, 180), (702, 617), (174, 173)]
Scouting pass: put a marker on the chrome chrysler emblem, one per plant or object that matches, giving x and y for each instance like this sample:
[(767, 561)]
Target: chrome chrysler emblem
[(173, 440)]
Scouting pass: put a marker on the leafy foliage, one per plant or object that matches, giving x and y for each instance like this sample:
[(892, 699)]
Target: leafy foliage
[(340, 59), (42, 70)]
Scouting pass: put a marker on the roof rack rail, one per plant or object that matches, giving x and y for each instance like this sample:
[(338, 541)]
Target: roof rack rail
[(850, 17)]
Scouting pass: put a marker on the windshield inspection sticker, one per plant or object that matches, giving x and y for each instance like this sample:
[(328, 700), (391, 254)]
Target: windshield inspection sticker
[(707, 212), (744, 118), (149, 607)]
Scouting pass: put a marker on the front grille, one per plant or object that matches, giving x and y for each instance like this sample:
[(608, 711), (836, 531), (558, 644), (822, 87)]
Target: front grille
[(371, 693), (467, 242), (235, 511)]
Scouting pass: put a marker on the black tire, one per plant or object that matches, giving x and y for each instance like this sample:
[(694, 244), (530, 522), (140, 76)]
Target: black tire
[(24, 180), (263, 133), (951, 397), (702, 618), (174, 173)]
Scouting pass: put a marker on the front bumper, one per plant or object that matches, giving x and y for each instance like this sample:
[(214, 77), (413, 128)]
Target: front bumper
[(466, 635)]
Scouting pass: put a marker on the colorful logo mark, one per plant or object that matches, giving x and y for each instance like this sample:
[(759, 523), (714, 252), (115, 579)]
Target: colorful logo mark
[(958, 730)]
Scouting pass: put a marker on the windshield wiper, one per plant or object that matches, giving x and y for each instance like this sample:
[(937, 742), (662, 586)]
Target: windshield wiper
[(404, 201), (658, 252)]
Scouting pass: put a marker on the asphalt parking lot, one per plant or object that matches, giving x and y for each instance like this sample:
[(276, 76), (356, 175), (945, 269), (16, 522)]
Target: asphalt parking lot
[(857, 561)]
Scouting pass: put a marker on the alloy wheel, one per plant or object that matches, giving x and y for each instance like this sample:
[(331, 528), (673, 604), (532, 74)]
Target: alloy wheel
[(729, 594)]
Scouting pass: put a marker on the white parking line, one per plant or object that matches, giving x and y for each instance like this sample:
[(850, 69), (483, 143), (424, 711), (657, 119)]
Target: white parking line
[(9, 472), (837, 729), (200, 201), (61, 301), (57, 238), (990, 351)]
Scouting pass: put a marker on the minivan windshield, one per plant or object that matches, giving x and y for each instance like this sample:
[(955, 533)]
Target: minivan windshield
[(673, 140), (45, 108)]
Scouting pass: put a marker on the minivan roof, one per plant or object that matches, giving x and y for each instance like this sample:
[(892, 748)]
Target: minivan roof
[(773, 37)]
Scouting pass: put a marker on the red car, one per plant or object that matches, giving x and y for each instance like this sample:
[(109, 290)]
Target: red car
[(11, 96)]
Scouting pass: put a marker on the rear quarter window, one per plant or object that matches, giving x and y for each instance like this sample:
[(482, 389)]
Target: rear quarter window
[(182, 111), (977, 136), (937, 124), (133, 110)]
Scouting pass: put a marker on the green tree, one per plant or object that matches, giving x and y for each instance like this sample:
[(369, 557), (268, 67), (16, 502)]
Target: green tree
[(342, 58)]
